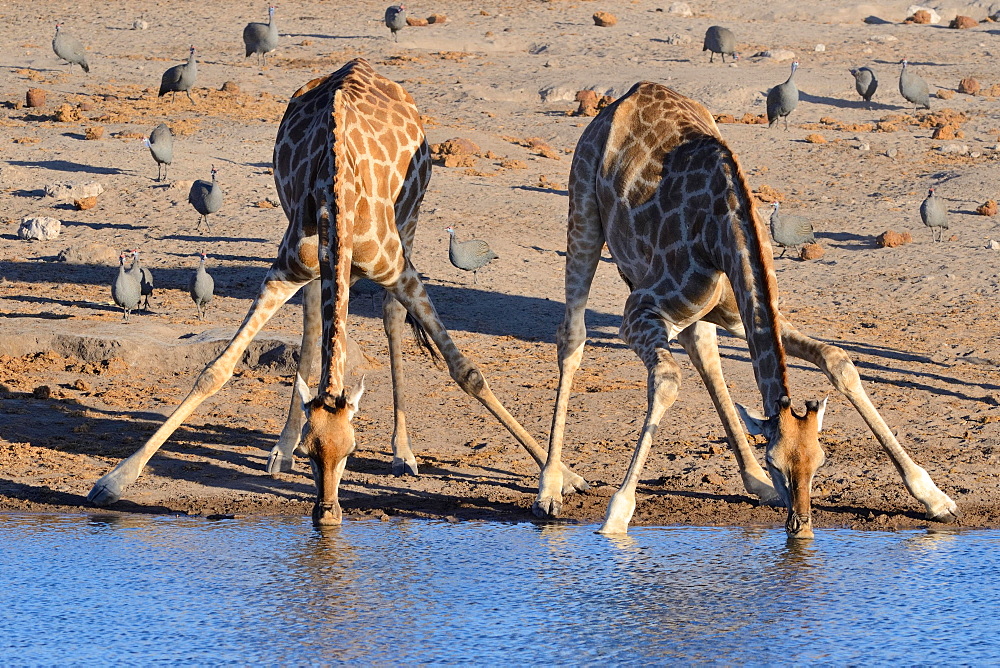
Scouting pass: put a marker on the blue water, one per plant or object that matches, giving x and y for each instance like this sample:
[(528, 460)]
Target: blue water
[(136, 590)]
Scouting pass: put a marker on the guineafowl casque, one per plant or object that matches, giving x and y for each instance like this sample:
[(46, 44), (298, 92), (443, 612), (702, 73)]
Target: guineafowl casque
[(145, 278), (180, 78), (201, 287), (865, 83), (395, 19), (206, 198), (70, 49), (126, 291), (161, 147), (782, 99), (934, 214), (791, 231), (470, 255), (261, 38), (913, 88), (722, 41)]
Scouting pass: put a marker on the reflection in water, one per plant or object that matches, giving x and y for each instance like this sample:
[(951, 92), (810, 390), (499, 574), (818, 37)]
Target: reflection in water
[(139, 589)]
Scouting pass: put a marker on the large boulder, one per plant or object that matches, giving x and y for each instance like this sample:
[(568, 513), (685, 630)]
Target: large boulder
[(39, 228)]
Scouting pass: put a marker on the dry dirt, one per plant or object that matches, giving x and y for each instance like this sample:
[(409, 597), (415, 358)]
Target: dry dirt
[(919, 320)]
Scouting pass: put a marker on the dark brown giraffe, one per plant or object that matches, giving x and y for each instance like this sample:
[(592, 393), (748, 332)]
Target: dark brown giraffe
[(351, 166), (653, 179)]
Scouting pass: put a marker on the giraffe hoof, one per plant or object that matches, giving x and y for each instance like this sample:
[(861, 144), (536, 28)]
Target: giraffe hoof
[(547, 508), (573, 482), (401, 467), (104, 494), (946, 516), (279, 463)]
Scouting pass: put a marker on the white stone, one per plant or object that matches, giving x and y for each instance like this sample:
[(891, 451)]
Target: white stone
[(820, 48), (680, 9), (40, 228), (864, 146), (139, 24), (993, 244), (71, 190), (778, 55), (957, 149), (913, 9), (883, 39), (678, 38)]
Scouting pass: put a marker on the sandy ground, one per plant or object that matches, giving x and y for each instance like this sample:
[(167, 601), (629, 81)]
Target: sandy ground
[(919, 319)]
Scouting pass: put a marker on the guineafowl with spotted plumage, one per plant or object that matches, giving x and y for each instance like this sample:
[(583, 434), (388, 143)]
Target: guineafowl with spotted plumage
[(206, 197), (782, 99), (471, 255), (934, 214), (395, 19), (161, 147), (790, 231), (722, 41), (261, 38), (70, 49), (180, 78), (201, 287), (126, 291)]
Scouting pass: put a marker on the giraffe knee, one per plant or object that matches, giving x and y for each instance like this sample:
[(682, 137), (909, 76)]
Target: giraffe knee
[(841, 370), (210, 381), (470, 380)]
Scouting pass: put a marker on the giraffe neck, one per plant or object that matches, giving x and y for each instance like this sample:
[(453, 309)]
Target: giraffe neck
[(744, 254)]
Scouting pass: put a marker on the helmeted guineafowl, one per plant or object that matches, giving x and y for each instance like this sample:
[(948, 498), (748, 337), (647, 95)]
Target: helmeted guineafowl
[(126, 291), (722, 41), (395, 19), (161, 147), (470, 255), (180, 78), (782, 99), (790, 231), (70, 49), (865, 83), (934, 214), (261, 38), (913, 88), (201, 287), (145, 278), (206, 198)]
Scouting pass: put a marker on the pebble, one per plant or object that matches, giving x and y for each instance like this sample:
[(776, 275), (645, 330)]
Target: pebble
[(820, 48), (864, 146), (913, 9)]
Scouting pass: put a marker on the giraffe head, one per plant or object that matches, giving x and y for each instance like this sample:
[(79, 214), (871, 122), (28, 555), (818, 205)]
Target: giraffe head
[(793, 456), (327, 438)]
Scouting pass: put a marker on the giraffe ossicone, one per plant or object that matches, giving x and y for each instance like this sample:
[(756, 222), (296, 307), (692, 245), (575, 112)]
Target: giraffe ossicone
[(654, 180), (351, 166)]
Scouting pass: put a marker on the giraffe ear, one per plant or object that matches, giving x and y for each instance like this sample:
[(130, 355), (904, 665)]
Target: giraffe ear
[(820, 412), (303, 391), (354, 398), (756, 423)]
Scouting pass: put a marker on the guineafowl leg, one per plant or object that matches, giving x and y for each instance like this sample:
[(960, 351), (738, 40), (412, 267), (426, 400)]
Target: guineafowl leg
[(648, 334), (701, 343), (838, 367), (188, 92), (393, 320), (281, 457), (277, 288), (411, 293), (571, 337)]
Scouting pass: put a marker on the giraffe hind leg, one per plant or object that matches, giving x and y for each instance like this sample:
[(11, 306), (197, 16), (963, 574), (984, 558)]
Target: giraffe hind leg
[(274, 292)]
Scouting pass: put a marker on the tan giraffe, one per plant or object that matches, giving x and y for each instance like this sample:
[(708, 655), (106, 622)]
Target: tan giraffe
[(351, 166), (653, 179)]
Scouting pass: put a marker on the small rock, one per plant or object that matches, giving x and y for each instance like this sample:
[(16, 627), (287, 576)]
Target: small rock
[(864, 146), (921, 16), (81, 385), (713, 479), (35, 97), (934, 17), (86, 106), (72, 190), (604, 19), (230, 87), (93, 133), (969, 86), (883, 39), (944, 94), (954, 149), (456, 146), (777, 55), (459, 161), (414, 22), (993, 244), (437, 18), (681, 9), (815, 138), (139, 24), (89, 252), (947, 131), (42, 392), (39, 228), (677, 38), (962, 22), (892, 152), (820, 48), (811, 252), (892, 239), (67, 114), (988, 208), (85, 203)]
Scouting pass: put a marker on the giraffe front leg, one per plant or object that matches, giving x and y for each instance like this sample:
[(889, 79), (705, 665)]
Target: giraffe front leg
[(393, 319), (700, 340), (838, 367), (282, 457), (274, 292)]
